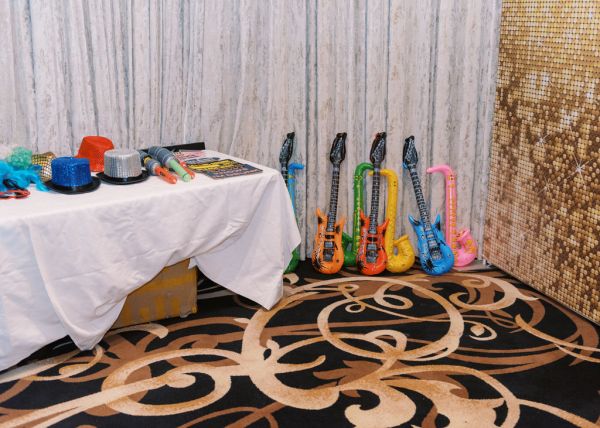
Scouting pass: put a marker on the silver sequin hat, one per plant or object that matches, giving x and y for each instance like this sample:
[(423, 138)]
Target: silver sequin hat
[(122, 166)]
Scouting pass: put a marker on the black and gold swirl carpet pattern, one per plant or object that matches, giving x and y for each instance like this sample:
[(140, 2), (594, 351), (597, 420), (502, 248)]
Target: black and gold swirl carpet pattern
[(410, 350)]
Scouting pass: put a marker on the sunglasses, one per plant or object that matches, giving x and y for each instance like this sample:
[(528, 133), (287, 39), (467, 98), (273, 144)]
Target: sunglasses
[(13, 191), (14, 194)]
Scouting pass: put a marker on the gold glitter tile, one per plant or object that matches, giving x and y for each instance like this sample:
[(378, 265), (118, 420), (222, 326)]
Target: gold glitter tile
[(543, 212)]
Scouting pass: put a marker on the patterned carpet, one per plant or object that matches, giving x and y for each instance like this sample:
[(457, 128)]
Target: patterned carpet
[(461, 350)]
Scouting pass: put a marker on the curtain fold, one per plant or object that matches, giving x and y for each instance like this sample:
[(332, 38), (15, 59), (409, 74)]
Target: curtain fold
[(239, 75)]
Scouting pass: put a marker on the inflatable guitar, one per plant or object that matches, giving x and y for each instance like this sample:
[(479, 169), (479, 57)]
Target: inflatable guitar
[(462, 243), (405, 256), (287, 171), (328, 253), (435, 255), (371, 258), (351, 243)]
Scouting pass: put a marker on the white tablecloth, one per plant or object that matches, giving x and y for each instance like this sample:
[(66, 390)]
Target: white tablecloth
[(67, 262)]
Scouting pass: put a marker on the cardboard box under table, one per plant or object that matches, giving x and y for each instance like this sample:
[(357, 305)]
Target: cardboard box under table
[(171, 293)]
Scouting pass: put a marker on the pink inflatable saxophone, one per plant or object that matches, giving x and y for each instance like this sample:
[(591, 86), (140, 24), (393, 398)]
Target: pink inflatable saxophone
[(462, 243)]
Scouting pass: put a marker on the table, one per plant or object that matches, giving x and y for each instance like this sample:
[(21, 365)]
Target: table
[(67, 262)]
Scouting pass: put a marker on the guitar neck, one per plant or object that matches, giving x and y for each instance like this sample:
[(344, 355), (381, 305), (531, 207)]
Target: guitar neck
[(333, 199), (373, 216), (423, 212), (284, 173)]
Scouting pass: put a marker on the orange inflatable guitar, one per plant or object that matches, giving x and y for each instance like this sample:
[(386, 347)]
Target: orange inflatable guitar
[(371, 258), (328, 252)]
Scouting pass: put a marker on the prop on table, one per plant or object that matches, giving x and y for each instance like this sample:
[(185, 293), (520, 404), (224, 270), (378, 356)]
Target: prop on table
[(93, 148), (462, 243), (435, 255), (168, 160), (328, 253), (187, 168), (225, 168), (400, 254), (17, 173), (287, 171), (44, 161), (72, 176), (194, 157), (191, 164), (20, 158), (14, 194), (191, 156), (154, 168), (351, 243), (122, 166), (14, 182), (371, 258)]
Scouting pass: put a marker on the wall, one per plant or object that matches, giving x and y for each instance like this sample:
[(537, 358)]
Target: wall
[(240, 74), (543, 222)]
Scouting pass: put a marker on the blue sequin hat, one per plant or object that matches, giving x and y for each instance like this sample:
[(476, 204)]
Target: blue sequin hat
[(72, 175)]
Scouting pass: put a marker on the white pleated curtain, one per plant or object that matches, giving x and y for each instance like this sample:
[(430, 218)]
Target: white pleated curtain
[(239, 75)]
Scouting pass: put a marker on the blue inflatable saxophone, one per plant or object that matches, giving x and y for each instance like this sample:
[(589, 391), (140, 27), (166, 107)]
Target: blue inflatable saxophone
[(288, 172)]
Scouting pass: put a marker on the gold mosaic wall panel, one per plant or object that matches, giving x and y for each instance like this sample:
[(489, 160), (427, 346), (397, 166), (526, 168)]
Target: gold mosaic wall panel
[(543, 211)]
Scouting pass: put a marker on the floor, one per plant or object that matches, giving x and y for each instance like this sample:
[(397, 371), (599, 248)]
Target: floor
[(474, 349)]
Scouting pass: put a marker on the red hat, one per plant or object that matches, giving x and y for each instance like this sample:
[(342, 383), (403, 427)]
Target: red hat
[(93, 148)]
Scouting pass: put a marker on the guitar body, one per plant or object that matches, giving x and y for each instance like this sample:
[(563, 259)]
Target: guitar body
[(371, 258), (428, 263), (328, 252)]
